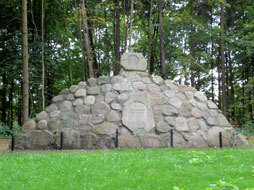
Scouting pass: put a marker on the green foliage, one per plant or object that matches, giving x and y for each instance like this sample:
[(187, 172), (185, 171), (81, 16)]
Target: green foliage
[(7, 132)]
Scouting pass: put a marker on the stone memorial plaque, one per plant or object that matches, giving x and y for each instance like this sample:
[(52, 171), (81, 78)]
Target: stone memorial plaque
[(133, 62), (138, 115)]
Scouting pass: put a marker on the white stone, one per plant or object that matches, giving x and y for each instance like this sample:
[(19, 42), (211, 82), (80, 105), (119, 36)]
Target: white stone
[(89, 100)]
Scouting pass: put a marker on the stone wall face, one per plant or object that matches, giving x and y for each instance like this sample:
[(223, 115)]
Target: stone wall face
[(143, 108)]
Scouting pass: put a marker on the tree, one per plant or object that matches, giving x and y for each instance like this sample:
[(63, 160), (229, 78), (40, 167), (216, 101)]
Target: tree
[(192, 45), (117, 69), (25, 56), (42, 57), (131, 20), (86, 40), (162, 51)]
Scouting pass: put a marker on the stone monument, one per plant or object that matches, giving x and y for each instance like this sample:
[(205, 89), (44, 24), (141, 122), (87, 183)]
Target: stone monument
[(143, 108)]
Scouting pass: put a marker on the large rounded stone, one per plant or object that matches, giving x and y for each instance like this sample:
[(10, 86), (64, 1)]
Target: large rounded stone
[(78, 101), (103, 80), (175, 102), (181, 124), (51, 108), (116, 106), (202, 106), (106, 88), (152, 142), (82, 109), (193, 125), (197, 141), (127, 142), (163, 127), (195, 112), (139, 85), (169, 110), (213, 137), (89, 100), (153, 88), (100, 108), (133, 62), (96, 119), (92, 81), (116, 79), (171, 85), (65, 106), (105, 128), (200, 96), (29, 126), (170, 120), (157, 80), (113, 116), (223, 121), (39, 139), (58, 98), (211, 105), (80, 93), (41, 125), (94, 90), (42, 116), (121, 98), (73, 88), (81, 85), (109, 97)]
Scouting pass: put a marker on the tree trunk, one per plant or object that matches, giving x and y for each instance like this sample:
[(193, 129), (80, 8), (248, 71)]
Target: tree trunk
[(42, 56), (232, 91), (86, 40), (3, 110), (192, 77), (162, 51), (25, 56), (219, 81), (223, 78), (149, 36), (117, 49), (131, 20)]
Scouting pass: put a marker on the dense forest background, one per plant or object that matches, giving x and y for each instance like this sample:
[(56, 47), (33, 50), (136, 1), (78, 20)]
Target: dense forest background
[(208, 44)]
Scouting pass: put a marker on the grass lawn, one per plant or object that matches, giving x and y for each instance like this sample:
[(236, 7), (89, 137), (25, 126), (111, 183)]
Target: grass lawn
[(129, 169)]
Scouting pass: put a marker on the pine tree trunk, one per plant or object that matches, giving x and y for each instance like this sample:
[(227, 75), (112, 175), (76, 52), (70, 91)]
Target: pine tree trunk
[(223, 77), (117, 49), (149, 36), (3, 94), (86, 40), (162, 51), (232, 91), (192, 77), (131, 20), (25, 56), (42, 56)]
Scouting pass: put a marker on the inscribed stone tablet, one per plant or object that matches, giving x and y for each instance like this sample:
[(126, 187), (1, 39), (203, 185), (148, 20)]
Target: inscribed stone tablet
[(133, 62)]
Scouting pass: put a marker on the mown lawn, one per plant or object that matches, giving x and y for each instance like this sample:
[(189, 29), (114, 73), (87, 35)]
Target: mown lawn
[(128, 169)]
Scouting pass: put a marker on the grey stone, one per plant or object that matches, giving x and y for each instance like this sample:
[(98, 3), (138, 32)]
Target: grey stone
[(203, 125), (175, 102), (211, 105), (178, 140), (153, 88), (113, 116), (139, 85), (133, 78), (106, 88), (171, 85), (240, 140), (193, 102), (157, 98), (169, 110), (170, 120), (100, 108), (152, 142), (213, 113), (70, 97), (80, 93), (157, 80), (128, 142), (82, 109), (169, 93), (83, 119), (223, 121), (89, 100), (51, 108), (185, 109), (202, 106), (212, 121), (85, 129), (163, 88), (64, 91), (198, 142), (138, 115), (54, 113), (103, 80), (133, 62), (105, 128), (189, 95), (29, 126), (157, 113), (58, 98), (71, 139), (78, 101), (39, 139), (82, 85), (65, 106), (109, 97), (96, 118), (41, 125), (121, 98), (195, 112), (73, 88), (123, 86), (181, 96), (99, 98), (163, 127), (146, 80), (42, 116), (181, 124), (213, 137), (200, 96), (193, 125), (94, 90), (92, 81), (116, 106), (116, 79)]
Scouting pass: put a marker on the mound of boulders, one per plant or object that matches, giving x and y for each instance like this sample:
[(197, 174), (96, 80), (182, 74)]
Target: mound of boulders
[(144, 109)]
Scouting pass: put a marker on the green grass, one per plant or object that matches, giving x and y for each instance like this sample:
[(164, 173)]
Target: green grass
[(127, 169)]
